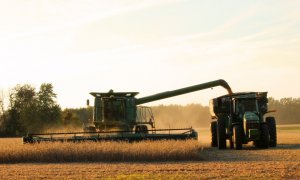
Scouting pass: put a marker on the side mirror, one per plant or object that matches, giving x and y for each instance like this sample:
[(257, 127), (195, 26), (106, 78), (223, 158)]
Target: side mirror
[(87, 102)]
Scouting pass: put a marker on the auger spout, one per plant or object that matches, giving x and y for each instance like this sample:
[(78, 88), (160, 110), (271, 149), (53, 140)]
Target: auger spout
[(186, 90)]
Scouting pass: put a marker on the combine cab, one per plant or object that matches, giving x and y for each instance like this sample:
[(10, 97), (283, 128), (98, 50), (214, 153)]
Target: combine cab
[(120, 116)]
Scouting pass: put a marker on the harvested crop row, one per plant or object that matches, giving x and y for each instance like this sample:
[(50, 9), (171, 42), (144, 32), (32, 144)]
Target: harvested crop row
[(11, 152)]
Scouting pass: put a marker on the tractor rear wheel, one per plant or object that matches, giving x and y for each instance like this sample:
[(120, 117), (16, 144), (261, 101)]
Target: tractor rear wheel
[(264, 137), (231, 142), (237, 137), (214, 133), (272, 131), (221, 134)]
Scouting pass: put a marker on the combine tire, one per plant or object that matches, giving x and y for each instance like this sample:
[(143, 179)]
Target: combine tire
[(89, 129), (214, 133), (141, 129), (272, 131), (221, 134), (264, 137), (237, 137)]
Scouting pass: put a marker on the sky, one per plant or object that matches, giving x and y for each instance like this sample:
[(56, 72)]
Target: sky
[(150, 46)]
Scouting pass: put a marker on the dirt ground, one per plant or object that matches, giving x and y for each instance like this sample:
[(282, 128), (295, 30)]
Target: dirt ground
[(282, 162)]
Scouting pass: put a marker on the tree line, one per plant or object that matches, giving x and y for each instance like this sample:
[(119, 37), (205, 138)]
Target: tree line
[(287, 111), (30, 110)]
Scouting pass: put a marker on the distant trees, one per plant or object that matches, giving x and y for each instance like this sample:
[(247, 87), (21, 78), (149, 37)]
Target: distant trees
[(287, 110), (2, 111), (48, 110), (30, 111), (196, 115)]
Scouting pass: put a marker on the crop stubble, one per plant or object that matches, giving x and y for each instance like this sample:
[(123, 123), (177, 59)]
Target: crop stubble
[(275, 163)]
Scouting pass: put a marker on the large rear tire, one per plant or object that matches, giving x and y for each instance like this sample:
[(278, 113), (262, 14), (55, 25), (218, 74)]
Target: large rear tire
[(214, 133), (272, 131), (221, 134), (264, 137), (237, 137), (231, 142)]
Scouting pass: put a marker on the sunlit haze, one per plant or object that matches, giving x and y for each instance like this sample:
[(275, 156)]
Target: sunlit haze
[(150, 47)]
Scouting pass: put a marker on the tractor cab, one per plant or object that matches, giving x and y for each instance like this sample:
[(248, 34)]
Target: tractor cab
[(244, 107)]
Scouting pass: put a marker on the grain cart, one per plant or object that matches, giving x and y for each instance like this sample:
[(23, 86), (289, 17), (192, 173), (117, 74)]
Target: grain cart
[(120, 116), (239, 118)]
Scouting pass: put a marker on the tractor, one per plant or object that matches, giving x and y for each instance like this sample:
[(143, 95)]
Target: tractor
[(240, 119)]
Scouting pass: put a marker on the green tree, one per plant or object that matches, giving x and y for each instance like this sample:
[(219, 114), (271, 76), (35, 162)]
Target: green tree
[(287, 110), (22, 110), (2, 114), (31, 111), (49, 111)]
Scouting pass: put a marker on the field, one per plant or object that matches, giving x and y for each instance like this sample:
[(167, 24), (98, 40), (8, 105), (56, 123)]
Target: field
[(282, 162)]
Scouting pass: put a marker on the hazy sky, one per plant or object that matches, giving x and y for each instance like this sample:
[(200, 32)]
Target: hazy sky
[(150, 46)]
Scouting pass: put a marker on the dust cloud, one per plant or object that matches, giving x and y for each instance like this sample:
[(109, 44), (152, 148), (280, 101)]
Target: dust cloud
[(63, 129), (177, 116)]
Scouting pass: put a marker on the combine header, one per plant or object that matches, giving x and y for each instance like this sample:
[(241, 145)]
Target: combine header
[(153, 134), (118, 116)]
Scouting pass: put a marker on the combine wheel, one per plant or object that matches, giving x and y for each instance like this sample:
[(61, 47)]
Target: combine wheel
[(141, 129), (272, 131), (221, 134), (144, 129), (214, 133), (237, 137), (264, 137), (89, 129)]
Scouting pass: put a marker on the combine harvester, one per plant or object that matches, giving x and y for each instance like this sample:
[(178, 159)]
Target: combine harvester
[(117, 116)]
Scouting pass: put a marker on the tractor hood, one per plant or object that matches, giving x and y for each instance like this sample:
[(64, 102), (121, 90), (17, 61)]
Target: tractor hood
[(250, 116)]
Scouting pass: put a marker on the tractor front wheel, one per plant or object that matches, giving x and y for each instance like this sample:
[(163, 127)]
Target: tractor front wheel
[(264, 137), (272, 131), (231, 142), (237, 137)]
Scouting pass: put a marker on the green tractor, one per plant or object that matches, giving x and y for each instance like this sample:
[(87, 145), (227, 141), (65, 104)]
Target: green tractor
[(239, 118)]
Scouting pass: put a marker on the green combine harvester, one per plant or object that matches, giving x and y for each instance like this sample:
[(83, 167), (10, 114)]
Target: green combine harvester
[(119, 116)]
